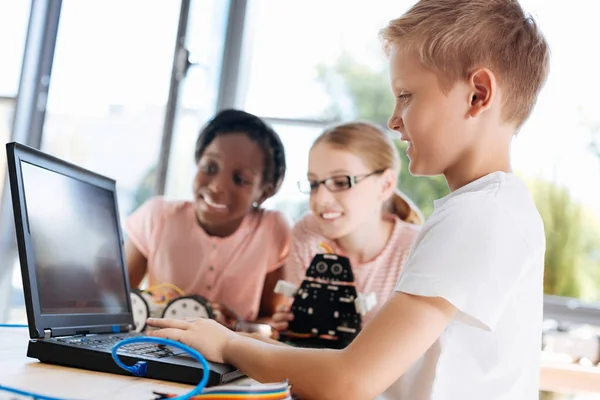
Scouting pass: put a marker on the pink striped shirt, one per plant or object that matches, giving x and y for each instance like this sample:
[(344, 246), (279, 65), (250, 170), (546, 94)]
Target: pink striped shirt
[(379, 275), (229, 270)]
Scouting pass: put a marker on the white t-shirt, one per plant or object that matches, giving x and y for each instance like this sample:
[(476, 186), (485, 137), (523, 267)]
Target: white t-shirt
[(483, 251)]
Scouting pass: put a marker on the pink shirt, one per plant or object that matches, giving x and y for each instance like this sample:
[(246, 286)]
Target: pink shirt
[(229, 270), (379, 275)]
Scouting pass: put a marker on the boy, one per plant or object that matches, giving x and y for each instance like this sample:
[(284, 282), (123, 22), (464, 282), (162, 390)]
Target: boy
[(465, 319)]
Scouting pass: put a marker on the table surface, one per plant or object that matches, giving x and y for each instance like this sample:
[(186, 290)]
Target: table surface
[(19, 371)]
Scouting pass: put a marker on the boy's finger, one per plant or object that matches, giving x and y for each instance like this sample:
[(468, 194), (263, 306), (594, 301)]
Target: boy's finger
[(168, 323), (169, 333)]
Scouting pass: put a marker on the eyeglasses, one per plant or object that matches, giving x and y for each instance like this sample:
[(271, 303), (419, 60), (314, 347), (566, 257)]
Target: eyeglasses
[(336, 183)]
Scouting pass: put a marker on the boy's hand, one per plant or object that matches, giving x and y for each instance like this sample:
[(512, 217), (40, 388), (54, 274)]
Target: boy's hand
[(281, 317), (224, 315), (205, 335)]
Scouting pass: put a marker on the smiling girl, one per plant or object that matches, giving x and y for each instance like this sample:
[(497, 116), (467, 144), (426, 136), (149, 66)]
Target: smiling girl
[(223, 245)]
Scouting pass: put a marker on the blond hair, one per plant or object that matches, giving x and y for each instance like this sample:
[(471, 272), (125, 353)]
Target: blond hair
[(366, 140), (377, 150), (454, 37)]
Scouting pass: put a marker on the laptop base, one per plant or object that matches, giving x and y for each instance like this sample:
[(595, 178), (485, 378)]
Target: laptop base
[(179, 368)]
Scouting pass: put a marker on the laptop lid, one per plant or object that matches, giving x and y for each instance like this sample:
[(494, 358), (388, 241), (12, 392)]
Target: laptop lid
[(70, 246)]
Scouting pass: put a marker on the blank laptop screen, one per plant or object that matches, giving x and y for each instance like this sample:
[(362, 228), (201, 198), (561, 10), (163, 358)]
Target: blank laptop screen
[(75, 239)]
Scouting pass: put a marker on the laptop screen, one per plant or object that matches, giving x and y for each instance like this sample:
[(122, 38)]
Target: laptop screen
[(75, 241)]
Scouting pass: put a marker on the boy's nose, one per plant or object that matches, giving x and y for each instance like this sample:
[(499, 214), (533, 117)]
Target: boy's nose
[(395, 123)]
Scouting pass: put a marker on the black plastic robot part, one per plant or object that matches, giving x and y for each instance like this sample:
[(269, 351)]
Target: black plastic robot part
[(324, 308)]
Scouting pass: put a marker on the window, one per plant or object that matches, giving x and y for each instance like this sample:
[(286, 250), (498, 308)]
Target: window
[(14, 17), (296, 141), (333, 71), (289, 78), (199, 89), (336, 71), (555, 149), (107, 95), (7, 106), (108, 90)]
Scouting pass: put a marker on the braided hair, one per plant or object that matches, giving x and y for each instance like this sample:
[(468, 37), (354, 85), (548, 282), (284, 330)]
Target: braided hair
[(236, 121)]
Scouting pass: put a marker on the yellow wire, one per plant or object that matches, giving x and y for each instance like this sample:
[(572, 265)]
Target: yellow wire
[(166, 285), (326, 247)]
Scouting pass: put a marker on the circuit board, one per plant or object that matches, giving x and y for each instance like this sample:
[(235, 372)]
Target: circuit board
[(324, 307)]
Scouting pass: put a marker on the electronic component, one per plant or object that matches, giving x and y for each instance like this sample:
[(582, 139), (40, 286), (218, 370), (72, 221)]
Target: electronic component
[(327, 308)]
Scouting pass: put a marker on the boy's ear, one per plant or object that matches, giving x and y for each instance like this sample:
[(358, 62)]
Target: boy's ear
[(483, 87)]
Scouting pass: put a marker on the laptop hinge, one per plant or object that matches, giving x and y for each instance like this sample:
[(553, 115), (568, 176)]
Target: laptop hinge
[(47, 333), (86, 330)]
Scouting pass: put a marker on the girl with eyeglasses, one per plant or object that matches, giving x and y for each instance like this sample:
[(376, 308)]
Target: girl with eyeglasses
[(356, 210)]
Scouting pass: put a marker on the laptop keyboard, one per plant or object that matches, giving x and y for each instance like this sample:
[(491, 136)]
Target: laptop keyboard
[(104, 343)]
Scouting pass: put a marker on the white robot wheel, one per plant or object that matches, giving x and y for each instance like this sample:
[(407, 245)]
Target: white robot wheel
[(188, 307), (140, 310)]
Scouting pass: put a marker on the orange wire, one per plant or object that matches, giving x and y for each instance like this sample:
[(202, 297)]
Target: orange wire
[(328, 249)]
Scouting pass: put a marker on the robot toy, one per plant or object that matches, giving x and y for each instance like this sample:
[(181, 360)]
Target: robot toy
[(327, 308)]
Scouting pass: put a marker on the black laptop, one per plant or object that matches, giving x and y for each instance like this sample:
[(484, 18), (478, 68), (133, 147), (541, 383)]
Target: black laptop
[(74, 276)]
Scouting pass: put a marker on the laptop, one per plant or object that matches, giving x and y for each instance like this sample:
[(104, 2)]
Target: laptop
[(75, 280)]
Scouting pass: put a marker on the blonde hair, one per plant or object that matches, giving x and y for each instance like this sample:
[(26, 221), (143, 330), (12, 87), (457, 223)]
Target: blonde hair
[(366, 140), (454, 37), (378, 152)]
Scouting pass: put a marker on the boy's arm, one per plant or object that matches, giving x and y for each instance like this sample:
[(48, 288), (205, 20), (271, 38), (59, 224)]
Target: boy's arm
[(404, 328)]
